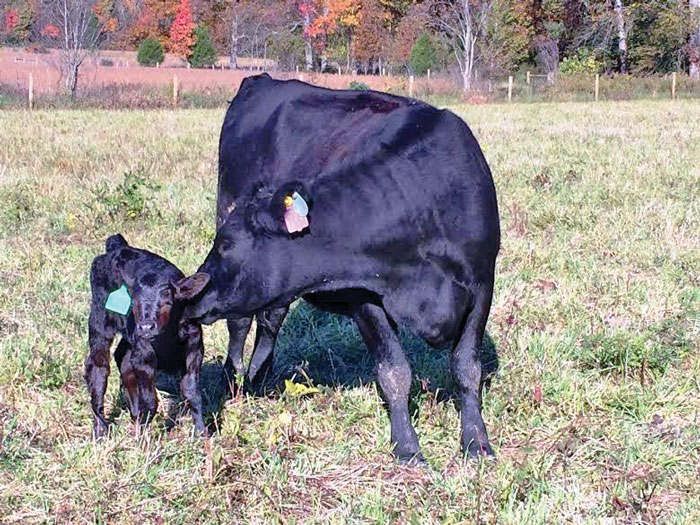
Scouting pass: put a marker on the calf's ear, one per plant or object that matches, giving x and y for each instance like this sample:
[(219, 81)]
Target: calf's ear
[(189, 287), (128, 280)]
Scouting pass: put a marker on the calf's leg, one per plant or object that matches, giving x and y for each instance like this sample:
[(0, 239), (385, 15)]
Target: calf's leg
[(190, 384), (466, 368), (96, 376), (393, 376)]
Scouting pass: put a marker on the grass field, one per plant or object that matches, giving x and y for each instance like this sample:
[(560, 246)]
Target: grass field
[(593, 409)]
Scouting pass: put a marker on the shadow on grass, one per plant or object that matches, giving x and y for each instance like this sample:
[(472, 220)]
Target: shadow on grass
[(321, 348), (327, 349), (168, 385)]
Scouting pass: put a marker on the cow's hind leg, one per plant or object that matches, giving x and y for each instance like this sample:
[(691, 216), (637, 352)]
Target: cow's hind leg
[(466, 367), (393, 375)]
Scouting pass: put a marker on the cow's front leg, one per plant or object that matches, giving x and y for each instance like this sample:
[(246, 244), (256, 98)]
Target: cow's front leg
[(96, 377), (191, 384), (238, 329), (394, 377), (268, 326)]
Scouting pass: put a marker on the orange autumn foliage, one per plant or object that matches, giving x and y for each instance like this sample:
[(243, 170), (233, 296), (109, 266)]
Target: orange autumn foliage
[(182, 31)]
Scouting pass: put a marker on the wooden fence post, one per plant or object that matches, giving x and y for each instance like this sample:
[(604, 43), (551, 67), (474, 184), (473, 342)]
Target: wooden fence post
[(597, 86), (510, 88), (410, 86), (176, 88), (31, 91), (428, 74), (528, 78), (673, 86)]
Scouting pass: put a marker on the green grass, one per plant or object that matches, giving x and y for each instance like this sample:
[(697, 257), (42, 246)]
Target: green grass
[(597, 307)]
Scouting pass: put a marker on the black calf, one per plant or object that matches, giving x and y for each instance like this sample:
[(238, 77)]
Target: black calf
[(154, 334)]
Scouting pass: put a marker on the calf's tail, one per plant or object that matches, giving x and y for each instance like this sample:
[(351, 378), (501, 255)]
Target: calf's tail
[(115, 242)]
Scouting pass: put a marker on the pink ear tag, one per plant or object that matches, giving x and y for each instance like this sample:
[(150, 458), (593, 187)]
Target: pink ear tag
[(294, 221), (295, 212)]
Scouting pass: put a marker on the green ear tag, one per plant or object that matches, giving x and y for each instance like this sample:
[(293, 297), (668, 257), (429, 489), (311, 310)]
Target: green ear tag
[(119, 301)]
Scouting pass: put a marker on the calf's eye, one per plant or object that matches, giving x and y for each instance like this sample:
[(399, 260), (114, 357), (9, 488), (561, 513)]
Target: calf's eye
[(225, 247)]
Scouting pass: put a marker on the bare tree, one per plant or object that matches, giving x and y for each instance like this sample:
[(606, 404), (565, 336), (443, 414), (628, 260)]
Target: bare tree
[(463, 21), (608, 19), (235, 33), (76, 28), (308, 48), (622, 35), (694, 45)]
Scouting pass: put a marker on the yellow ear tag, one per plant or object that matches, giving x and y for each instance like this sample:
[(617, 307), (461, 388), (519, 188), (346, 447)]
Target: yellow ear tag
[(288, 201)]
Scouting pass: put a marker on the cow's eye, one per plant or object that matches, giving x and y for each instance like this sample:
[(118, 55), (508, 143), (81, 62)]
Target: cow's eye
[(225, 247), (165, 293)]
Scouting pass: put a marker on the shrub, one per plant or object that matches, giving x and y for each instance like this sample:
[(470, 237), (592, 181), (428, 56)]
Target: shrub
[(131, 199), (582, 62), (36, 48), (203, 50), (358, 86), (423, 55), (150, 52)]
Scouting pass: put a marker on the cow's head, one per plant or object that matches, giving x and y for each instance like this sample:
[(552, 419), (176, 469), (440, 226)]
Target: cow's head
[(251, 232)]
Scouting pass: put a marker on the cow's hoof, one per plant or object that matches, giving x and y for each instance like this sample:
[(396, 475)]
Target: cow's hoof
[(229, 384), (478, 450), (99, 431), (411, 460)]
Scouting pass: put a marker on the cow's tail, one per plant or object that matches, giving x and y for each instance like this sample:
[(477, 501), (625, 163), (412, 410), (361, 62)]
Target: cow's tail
[(115, 242)]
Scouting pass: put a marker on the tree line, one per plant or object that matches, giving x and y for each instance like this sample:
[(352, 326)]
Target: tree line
[(474, 38)]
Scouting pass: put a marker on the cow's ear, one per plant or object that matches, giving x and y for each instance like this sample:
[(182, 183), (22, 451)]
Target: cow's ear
[(189, 287), (265, 212)]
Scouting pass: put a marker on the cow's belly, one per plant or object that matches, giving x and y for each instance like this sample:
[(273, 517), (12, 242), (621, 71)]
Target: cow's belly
[(432, 305)]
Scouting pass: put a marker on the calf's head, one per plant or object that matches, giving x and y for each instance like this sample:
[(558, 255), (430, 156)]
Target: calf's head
[(156, 301), (155, 304)]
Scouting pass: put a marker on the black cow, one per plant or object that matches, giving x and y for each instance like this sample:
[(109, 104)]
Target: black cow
[(154, 333), (403, 228)]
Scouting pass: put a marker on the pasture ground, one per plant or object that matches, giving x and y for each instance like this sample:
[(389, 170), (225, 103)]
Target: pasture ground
[(593, 401)]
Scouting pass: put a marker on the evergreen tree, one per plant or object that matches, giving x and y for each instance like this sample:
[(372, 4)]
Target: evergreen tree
[(203, 51), (423, 55), (150, 53)]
